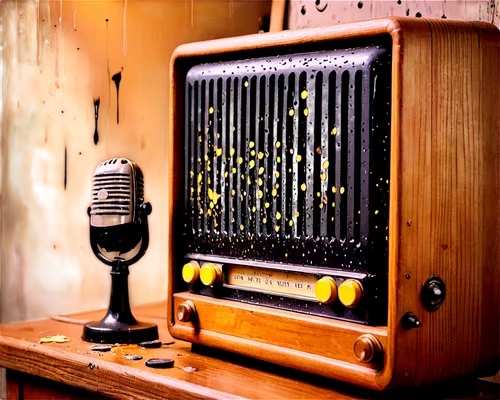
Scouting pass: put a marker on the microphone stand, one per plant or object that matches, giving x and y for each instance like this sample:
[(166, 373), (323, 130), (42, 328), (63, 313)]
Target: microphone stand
[(119, 325)]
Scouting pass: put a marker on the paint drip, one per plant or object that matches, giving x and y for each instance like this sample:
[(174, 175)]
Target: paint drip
[(97, 102), (116, 79)]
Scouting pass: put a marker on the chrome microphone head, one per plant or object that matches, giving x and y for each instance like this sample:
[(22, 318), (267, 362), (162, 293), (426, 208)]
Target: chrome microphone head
[(118, 190)]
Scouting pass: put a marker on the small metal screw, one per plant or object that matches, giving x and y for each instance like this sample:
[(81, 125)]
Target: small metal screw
[(408, 222), (408, 276), (91, 365)]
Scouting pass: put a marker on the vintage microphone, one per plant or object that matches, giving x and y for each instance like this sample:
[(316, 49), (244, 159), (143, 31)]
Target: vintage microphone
[(119, 237)]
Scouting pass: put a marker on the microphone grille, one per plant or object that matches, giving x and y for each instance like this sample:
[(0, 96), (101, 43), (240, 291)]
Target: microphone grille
[(113, 193)]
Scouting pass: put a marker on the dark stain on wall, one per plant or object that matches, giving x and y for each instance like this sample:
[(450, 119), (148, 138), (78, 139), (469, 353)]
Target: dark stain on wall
[(116, 78), (97, 102), (65, 167)]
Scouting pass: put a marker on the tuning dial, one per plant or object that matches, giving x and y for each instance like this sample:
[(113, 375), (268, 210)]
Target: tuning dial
[(210, 274), (191, 272), (186, 311), (326, 290), (350, 293), (367, 348)]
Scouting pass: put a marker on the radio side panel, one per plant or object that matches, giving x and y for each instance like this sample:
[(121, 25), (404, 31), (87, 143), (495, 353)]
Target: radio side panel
[(448, 203)]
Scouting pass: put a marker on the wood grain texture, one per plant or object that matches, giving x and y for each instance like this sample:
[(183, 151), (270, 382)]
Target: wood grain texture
[(114, 376), (154, 29), (303, 333), (444, 203), (219, 375)]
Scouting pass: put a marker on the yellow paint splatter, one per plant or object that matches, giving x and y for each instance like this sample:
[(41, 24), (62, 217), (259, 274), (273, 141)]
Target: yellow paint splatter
[(260, 182), (278, 215), (226, 174), (251, 145), (277, 174), (191, 174), (376, 212), (303, 187), (278, 159), (231, 152), (318, 194), (306, 112), (211, 204), (245, 84), (326, 164), (322, 176), (273, 192), (342, 190), (334, 131), (218, 152), (333, 204), (299, 158), (55, 339), (261, 154), (206, 157), (264, 220), (261, 170), (211, 110), (240, 160), (278, 144), (260, 194), (252, 153), (321, 205), (334, 189), (251, 164), (233, 192), (254, 208), (291, 222), (277, 228), (297, 213), (303, 95), (233, 170), (241, 227), (199, 177), (291, 112), (266, 204)]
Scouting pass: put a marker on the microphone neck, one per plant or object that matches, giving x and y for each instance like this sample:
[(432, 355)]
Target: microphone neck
[(119, 305)]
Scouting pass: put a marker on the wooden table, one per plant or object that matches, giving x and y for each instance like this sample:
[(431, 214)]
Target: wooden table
[(71, 370)]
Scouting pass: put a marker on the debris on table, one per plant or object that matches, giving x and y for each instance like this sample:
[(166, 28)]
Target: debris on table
[(160, 363), (101, 348), (55, 339), (190, 369), (152, 344), (133, 357)]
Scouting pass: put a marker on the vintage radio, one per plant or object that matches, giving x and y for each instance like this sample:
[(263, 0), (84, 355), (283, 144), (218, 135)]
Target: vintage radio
[(333, 199)]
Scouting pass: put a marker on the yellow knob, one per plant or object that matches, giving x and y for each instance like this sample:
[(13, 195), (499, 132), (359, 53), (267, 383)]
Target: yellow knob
[(326, 290), (191, 272), (209, 274), (350, 293)]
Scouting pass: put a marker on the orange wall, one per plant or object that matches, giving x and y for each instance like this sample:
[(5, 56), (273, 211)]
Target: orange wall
[(58, 56)]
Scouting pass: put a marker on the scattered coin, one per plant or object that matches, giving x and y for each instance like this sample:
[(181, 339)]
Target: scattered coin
[(160, 363), (153, 344), (133, 357), (101, 348)]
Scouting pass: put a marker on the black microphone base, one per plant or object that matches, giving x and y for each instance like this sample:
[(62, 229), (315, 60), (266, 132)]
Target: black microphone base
[(112, 331)]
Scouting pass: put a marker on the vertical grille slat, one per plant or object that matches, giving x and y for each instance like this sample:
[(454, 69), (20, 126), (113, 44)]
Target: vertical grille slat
[(352, 135), (284, 157)]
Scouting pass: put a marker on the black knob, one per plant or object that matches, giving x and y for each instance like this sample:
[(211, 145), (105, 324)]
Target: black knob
[(410, 321), (146, 208), (433, 293)]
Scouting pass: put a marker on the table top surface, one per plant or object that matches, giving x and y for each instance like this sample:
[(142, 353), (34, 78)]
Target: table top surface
[(198, 372)]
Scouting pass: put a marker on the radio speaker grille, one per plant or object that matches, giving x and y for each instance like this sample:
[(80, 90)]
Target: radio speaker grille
[(287, 158)]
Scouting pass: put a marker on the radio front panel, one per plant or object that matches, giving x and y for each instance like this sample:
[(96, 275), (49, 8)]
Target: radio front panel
[(286, 162)]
